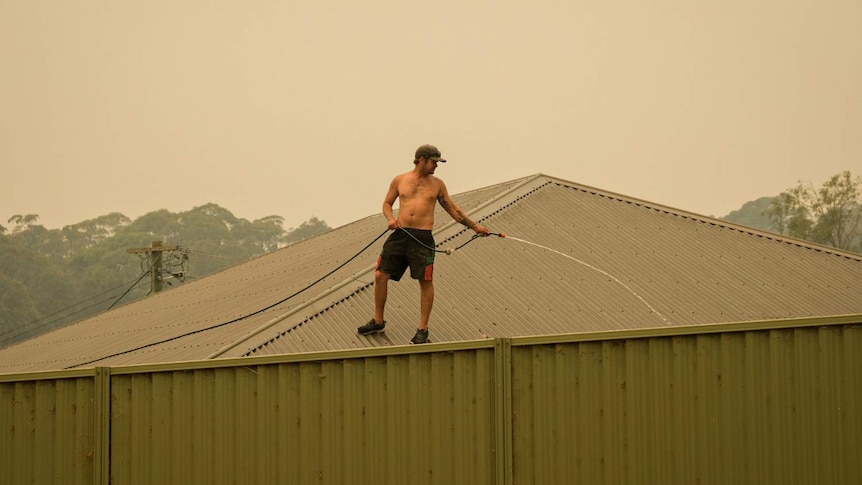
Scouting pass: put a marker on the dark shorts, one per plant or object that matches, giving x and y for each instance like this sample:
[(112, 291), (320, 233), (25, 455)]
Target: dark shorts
[(400, 251)]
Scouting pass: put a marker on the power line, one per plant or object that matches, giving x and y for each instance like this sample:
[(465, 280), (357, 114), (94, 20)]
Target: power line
[(24, 330), (78, 303), (128, 290), (173, 262), (32, 326)]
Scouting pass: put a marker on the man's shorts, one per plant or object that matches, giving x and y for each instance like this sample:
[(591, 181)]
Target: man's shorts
[(401, 250)]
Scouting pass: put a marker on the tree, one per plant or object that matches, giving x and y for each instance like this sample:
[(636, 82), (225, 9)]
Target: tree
[(23, 222), (87, 234), (830, 215), (267, 233), (32, 287), (754, 213), (307, 229)]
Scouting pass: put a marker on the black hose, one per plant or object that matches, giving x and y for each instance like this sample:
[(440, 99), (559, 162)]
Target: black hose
[(451, 250)]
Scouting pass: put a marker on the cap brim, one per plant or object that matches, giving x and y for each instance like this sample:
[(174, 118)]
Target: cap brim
[(438, 159)]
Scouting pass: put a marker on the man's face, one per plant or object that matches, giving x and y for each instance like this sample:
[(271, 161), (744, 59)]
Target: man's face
[(430, 166)]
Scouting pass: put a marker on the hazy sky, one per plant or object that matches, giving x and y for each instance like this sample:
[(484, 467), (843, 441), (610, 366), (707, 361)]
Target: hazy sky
[(301, 108)]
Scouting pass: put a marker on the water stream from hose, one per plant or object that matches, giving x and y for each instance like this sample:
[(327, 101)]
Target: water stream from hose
[(614, 278)]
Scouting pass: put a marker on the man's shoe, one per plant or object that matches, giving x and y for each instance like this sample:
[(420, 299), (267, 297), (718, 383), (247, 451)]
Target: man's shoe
[(371, 327), (421, 337)]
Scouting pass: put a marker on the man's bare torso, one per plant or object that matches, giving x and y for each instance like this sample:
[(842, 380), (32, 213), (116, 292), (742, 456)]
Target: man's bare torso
[(417, 196)]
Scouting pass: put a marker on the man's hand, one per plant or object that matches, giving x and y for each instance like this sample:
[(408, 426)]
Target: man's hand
[(480, 229), (393, 224)]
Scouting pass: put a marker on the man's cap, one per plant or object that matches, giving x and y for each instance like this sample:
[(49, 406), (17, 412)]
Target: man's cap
[(430, 152)]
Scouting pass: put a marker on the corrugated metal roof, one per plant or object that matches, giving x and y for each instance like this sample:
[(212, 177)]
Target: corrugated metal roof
[(189, 322), (690, 269)]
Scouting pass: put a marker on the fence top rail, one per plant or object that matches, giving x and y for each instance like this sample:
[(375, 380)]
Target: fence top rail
[(48, 375), (308, 357), (489, 343), (712, 328)]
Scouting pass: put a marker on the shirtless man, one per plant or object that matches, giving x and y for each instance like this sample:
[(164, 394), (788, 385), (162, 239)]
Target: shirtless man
[(417, 191)]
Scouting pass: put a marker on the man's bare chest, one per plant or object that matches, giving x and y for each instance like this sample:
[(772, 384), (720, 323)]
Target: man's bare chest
[(419, 189)]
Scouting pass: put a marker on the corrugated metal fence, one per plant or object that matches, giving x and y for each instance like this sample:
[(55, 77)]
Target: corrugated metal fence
[(774, 402)]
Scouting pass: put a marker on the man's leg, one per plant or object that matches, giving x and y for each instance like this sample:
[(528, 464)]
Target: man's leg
[(381, 290), (426, 290)]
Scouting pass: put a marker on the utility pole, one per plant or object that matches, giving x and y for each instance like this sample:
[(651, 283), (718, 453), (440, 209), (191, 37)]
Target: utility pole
[(155, 255)]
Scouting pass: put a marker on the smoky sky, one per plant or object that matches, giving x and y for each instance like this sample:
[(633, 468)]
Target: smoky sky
[(304, 109)]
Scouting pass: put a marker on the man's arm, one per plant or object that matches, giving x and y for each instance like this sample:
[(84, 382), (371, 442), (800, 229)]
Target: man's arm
[(388, 201), (456, 213)]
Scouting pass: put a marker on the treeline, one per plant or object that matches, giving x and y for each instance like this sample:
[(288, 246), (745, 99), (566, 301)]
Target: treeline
[(52, 277), (830, 215)]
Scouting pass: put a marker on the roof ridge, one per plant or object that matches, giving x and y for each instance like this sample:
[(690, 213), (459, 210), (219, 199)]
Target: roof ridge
[(709, 220)]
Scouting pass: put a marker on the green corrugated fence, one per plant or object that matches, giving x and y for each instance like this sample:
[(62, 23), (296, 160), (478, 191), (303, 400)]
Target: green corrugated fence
[(770, 402)]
